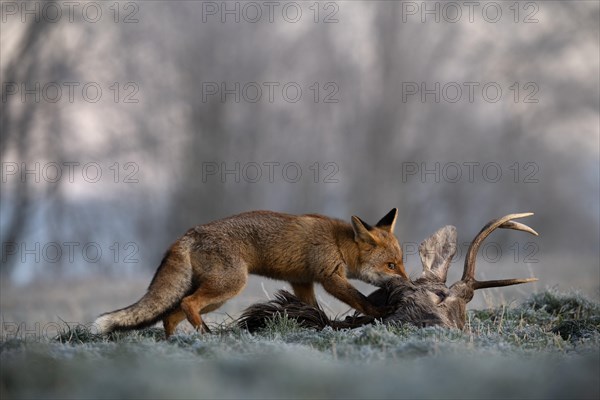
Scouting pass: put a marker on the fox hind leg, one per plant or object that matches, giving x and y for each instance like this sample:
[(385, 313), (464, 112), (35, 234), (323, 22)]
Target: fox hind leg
[(171, 321), (206, 310), (211, 294)]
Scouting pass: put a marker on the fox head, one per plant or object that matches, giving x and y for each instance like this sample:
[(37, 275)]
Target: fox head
[(380, 255)]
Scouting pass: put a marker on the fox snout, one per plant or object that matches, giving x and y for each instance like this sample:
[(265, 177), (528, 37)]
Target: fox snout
[(402, 272), (382, 274)]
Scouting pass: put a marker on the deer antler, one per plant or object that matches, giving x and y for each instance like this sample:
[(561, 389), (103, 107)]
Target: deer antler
[(505, 222)]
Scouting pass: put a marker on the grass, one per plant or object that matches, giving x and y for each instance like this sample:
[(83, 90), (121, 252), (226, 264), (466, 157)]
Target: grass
[(547, 347)]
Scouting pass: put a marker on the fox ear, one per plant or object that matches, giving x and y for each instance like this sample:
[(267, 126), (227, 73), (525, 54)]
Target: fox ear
[(388, 222), (361, 231)]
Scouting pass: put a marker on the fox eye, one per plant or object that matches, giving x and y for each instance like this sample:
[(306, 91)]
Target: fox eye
[(391, 266)]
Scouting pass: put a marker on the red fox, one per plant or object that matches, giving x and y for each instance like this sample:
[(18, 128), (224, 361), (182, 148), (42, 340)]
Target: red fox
[(210, 264)]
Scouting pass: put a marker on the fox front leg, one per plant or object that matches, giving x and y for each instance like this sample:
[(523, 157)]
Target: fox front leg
[(305, 292), (340, 288)]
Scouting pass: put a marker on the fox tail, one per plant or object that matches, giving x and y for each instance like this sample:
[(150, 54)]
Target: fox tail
[(171, 283)]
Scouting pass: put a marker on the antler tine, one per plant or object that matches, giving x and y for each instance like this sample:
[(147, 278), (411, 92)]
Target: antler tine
[(501, 282), (519, 227), (503, 223)]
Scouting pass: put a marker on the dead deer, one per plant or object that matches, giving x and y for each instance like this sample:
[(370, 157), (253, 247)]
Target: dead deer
[(427, 301)]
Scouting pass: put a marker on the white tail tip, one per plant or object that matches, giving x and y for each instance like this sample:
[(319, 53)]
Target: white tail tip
[(103, 324)]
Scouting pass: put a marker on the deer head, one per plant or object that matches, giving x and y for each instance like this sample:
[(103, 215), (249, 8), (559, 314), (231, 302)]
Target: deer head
[(426, 301)]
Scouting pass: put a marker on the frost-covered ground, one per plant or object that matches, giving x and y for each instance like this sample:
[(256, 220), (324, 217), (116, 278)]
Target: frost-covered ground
[(548, 347)]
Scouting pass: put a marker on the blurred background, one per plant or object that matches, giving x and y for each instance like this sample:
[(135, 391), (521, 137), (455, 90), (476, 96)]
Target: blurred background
[(123, 124)]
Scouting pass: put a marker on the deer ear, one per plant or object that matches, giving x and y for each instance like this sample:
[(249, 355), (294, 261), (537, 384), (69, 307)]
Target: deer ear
[(362, 231), (436, 253), (388, 222)]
